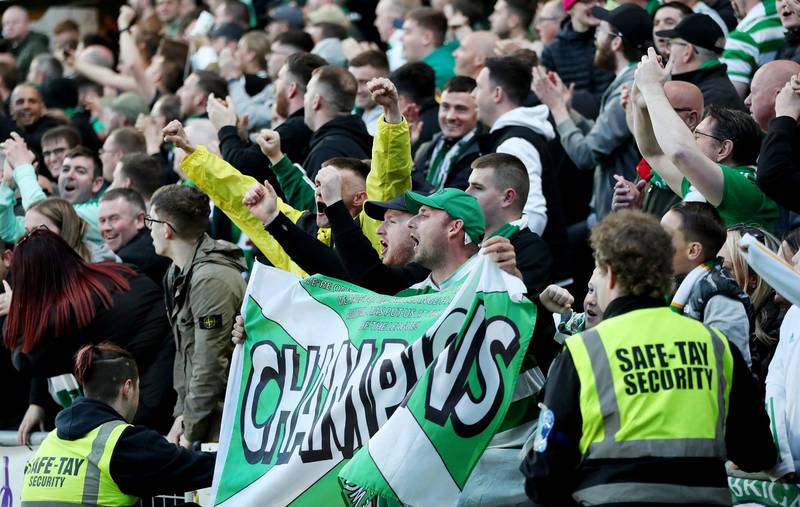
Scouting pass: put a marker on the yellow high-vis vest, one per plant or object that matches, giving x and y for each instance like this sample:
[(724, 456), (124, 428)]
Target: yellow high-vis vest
[(66, 473), (652, 384)]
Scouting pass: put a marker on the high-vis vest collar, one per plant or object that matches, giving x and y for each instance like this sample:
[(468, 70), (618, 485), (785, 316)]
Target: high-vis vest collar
[(75, 472)]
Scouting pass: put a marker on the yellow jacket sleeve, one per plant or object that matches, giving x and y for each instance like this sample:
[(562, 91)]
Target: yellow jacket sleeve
[(390, 171), (226, 187)]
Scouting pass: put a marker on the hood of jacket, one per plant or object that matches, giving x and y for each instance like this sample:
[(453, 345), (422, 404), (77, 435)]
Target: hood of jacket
[(535, 118), (218, 252), (82, 417), (350, 126)]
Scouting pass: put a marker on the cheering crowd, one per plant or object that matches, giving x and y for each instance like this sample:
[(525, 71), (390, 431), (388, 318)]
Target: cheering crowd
[(146, 167)]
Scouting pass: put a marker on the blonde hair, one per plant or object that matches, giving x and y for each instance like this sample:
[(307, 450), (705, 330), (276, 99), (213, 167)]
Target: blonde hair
[(761, 293), (73, 228), (258, 42)]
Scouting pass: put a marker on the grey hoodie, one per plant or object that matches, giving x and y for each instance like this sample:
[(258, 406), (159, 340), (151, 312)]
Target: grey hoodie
[(605, 146)]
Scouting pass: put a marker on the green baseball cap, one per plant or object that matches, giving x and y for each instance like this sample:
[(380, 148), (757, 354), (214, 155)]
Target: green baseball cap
[(457, 203)]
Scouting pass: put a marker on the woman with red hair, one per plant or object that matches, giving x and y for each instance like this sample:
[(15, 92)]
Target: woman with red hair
[(60, 303)]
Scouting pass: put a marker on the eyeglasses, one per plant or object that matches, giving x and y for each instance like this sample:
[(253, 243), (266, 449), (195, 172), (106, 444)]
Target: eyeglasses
[(149, 221), (673, 42), (54, 151), (608, 32), (699, 133)]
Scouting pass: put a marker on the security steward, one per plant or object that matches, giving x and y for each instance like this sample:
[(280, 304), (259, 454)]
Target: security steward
[(95, 457), (645, 408)]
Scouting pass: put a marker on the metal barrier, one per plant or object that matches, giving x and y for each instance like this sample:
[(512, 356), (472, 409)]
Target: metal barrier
[(9, 438), (166, 500)]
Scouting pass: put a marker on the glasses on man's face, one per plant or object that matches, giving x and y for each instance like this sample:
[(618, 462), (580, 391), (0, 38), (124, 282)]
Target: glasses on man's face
[(704, 134), (607, 32), (149, 221), (54, 151), (673, 42)]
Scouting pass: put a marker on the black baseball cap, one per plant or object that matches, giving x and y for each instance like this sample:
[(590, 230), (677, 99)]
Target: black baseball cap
[(231, 31), (376, 209), (631, 21), (699, 30), (289, 13)]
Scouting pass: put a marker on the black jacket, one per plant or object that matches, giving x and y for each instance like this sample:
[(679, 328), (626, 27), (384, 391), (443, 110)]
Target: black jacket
[(553, 158), (362, 263), (82, 122), (533, 260), (353, 259), (248, 158), (553, 475), (343, 136), (136, 321), (143, 463), (725, 10), (571, 55), (429, 116), (778, 172), (716, 86), (33, 133), (139, 251), (791, 46), (457, 177), (166, 159)]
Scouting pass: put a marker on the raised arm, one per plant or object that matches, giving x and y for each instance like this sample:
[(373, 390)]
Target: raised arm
[(227, 187), (673, 136), (130, 55), (648, 146), (390, 173), (21, 160), (105, 76), (307, 251), (296, 187)]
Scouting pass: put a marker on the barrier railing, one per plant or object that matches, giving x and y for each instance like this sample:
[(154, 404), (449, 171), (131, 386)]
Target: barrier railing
[(747, 490)]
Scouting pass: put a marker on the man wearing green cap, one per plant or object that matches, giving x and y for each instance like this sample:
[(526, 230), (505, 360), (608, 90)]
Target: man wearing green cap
[(446, 230)]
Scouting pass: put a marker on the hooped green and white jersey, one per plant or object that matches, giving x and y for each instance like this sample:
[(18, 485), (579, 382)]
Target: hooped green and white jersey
[(756, 41)]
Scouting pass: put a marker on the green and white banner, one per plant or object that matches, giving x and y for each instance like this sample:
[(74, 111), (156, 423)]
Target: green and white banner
[(340, 395), (763, 493)]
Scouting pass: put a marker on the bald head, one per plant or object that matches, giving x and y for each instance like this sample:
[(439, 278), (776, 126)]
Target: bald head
[(767, 82), (98, 55), (687, 100), (473, 52), (775, 74), (16, 24)]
